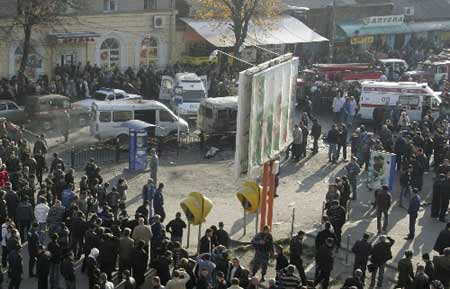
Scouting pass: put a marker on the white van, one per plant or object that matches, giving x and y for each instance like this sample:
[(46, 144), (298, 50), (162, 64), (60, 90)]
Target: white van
[(416, 98), (194, 91), (107, 118)]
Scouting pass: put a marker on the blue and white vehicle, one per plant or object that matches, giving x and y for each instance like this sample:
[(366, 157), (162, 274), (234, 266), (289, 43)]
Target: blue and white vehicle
[(194, 90)]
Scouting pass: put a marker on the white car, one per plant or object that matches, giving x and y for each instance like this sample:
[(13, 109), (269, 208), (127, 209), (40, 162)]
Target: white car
[(104, 94)]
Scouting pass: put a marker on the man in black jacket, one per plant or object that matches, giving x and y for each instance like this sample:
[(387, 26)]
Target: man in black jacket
[(175, 227), (316, 131), (25, 216), (43, 267), (323, 235), (15, 268), (332, 139), (443, 240), (33, 246), (362, 250), (55, 260), (68, 271), (324, 263), (77, 229), (222, 236), (381, 253), (337, 215), (12, 200), (263, 245), (295, 254)]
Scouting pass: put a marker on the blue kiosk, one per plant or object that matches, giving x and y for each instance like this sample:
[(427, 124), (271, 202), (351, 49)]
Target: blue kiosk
[(138, 156)]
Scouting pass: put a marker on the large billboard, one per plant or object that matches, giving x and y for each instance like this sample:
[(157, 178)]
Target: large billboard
[(267, 97)]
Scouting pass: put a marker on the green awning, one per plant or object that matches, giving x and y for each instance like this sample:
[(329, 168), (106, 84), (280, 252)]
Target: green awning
[(350, 29)]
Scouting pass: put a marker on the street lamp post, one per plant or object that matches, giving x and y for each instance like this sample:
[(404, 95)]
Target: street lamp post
[(178, 103)]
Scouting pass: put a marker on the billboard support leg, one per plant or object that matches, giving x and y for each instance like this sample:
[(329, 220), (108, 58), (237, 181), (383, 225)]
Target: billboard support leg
[(264, 196), (199, 237), (271, 194), (245, 223), (188, 235)]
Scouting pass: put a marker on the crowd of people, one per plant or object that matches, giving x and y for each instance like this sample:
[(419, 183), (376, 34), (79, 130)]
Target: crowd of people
[(79, 81)]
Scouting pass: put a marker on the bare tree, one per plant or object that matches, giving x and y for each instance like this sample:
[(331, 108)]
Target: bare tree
[(239, 12), (39, 13)]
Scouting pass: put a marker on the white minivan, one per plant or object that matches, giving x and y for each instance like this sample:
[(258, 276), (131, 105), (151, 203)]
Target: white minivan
[(107, 118)]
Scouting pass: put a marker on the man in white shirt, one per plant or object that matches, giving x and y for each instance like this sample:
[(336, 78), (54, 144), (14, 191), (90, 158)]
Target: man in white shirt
[(338, 103), (40, 214)]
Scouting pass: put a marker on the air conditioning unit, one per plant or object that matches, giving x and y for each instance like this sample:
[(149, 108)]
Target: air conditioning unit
[(159, 22), (408, 11)]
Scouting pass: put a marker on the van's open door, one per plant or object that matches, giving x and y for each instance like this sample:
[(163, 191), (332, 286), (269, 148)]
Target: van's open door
[(167, 86)]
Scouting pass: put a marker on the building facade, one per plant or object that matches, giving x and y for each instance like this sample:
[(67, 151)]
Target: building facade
[(107, 33)]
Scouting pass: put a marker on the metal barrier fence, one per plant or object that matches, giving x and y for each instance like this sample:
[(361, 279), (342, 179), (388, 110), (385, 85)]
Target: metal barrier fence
[(78, 157)]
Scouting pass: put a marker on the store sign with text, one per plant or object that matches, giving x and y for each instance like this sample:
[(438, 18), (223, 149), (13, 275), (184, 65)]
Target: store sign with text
[(357, 40), (384, 20)]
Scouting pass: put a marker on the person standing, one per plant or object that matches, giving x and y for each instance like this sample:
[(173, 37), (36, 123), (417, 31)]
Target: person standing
[(142, 233), (421, 279), (158, 202), (154, 165), (413, 210), (130, 283), (126, 245), (444, 198), (337, 216), (43, 267), (206, 245), (443, 240), (223, 238), (55, 260), (15, 268), (33, 245), (139, 261), (305, 134), (406, 183), (296, 252), (332, 139), (405, 271), (175, 227), (439, 187), (383, 201), (316, 132), (148, 194), (40, 215), (381, 253), (66, 126), (342, 142), (297, 144), (362, 250), (324, 263), (24, 217), (353, 171), (263, 245), (68, 271)]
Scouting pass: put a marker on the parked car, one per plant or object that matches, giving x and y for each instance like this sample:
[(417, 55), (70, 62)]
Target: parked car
[(103, 94), (49, 110), (12, 112)]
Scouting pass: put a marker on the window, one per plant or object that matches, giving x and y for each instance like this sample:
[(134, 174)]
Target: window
[(165, 116), (208, 112), (222, 114), (109, 5), (145, 115), (150, 4), (120, 96), (105, 116), (2, 106), (12, 106), (120, 116), (110, 53), (149, 51)]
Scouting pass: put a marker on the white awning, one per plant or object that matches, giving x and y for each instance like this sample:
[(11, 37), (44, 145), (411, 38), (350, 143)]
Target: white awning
[(282, 30)]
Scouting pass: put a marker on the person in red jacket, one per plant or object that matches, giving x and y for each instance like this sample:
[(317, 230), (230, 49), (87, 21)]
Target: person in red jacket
[(4, 177)]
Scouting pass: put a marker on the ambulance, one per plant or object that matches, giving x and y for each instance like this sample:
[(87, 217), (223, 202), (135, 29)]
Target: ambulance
[(384, 97)]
